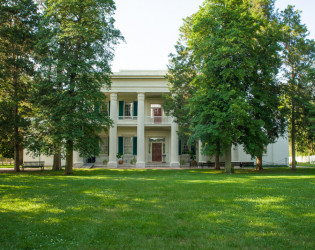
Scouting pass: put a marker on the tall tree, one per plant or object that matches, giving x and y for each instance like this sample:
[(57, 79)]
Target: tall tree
[(80, 41), (298, 67), (265, 94), (18, 26), (235, 55), (181, 72)]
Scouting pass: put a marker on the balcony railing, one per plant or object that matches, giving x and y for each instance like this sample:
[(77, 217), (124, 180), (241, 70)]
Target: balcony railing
[(127, 120), (149, 120), (157, 120)]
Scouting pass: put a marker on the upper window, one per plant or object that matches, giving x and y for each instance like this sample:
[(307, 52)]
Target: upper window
[(128, 109), (156, 110)]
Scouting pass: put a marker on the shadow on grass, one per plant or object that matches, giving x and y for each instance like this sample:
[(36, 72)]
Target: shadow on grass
[(157, 209)]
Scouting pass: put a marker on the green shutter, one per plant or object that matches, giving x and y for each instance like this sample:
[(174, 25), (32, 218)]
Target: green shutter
[(179, 147), (121, 108), (109, 108), (97, 108), (135, 145), (120, 144), (108, 145), (135, 108)]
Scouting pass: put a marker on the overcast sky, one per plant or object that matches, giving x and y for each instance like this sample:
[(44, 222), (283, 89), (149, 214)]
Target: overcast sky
[(150, 28)]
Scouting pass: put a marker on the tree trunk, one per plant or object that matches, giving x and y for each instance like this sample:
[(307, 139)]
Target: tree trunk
[(228, 164), (21, 157), (69, 157), (57, 161), (293, 139), (217, 162), (259, 162), (17, 162)]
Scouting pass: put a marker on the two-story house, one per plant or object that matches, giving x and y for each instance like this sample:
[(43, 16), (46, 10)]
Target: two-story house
[(145, 135)]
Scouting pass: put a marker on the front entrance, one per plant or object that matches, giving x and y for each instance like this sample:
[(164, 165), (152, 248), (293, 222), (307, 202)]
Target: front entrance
[(156, 151), (90, 159)]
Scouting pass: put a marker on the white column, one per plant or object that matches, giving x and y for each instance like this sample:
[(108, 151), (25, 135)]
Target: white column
[(140, 133), (112, 161), (174, 146), (201, 155)]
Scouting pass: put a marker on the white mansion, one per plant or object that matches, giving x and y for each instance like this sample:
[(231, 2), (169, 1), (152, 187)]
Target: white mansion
[(144, 135)]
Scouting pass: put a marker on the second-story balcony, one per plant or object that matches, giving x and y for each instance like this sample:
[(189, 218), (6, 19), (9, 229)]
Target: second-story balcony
[(149, 120), (127, 120), (157, 120)]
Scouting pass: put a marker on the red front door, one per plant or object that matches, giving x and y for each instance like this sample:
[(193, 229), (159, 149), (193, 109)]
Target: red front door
[(157, 115), (156, 151)]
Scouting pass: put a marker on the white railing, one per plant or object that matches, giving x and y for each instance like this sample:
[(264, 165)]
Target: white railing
[(128, 118), (158, 120)]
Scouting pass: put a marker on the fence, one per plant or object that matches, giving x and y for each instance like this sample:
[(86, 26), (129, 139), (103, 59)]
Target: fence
[(6, 161), (305, 159)]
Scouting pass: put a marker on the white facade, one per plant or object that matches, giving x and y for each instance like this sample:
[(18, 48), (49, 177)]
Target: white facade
[(143, 132)]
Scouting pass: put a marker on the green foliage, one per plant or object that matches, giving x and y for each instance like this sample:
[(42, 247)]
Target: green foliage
[(6, 150), (299, 75), (18, 27), (119, 155), (192, 155), (193, 209), (223, 84), (75, 50)]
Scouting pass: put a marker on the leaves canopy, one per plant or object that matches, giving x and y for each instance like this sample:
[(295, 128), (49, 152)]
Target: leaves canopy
[(18, 27), (76, 46), (234, 96), (299, 75)]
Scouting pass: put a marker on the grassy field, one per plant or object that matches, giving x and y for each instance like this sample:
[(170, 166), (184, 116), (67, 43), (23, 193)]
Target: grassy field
[(305, 164), (158, 209), (6, 166)]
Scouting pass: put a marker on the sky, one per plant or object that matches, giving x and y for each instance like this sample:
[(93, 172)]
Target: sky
[(151, 29)]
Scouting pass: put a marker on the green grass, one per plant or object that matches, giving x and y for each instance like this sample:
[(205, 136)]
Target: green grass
[(6, 166), (158, 209), (305, 164)]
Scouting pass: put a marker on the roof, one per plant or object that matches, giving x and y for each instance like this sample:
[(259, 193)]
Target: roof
[(140, 74)]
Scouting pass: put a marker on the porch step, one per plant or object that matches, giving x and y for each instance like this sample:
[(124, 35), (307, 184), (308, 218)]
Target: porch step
[(157, 165), (87, 165)]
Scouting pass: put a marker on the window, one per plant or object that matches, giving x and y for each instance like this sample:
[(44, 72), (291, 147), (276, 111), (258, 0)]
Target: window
[(104, 145), (128, 145), (185, 148), (156, 110), (128, 109)]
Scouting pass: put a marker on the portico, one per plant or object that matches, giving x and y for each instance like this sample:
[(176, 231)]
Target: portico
[(141, 129)]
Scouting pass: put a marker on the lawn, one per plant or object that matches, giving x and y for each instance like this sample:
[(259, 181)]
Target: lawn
[(6, 166), (158, 209), (305, 164)]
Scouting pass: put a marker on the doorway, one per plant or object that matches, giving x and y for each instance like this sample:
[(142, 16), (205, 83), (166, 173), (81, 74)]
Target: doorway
[(156, 151), (157, 112)]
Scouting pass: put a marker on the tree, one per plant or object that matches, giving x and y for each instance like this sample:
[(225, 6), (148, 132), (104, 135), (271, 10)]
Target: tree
[(236, 97), (298, 73), (18, 26), (265, 95), (181, 72), (80, 43)]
